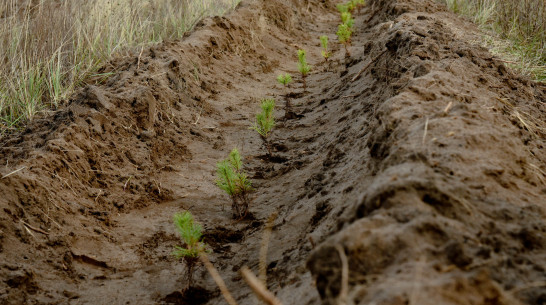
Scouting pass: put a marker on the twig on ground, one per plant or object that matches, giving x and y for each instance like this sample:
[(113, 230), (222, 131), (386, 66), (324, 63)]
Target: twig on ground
[(374, 12), (52, 220), (258, 288), (525, 123), (139, 56), (34, 229), (198, 116), (29, 232), (536, 168), (97, 198), (218, 279), (448, 107), (417, 285), (368, 65), (265, 246), (127, 182), (527, 286), (342, 298), (426, 130), (517, 63), (15, 171)]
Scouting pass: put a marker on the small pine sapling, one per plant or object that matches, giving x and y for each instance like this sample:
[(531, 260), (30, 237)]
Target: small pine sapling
[(359, 4), (226, 182), (303, 67), (324, 42), (191, 235), (344, 33), (243, 185), (351, 5), (347, 18), (342, 7), (234, 181), (285, 79), (265, 120)]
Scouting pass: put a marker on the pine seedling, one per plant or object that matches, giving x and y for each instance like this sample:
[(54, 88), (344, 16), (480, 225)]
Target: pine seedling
[(285, 79), (234, 181), (359, 4), (324, 42), (344, 33), (303, 67), (226, 179), (347, 18), (243, 184), (191, 235), (265, 120), (351, 5), (342, 7)]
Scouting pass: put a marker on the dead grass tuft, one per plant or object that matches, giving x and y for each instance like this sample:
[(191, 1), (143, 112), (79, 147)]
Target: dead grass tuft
[(48, 48), (526, 121), (519, 28)]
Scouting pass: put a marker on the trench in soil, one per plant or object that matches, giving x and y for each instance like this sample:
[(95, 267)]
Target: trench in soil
[(408, 154)]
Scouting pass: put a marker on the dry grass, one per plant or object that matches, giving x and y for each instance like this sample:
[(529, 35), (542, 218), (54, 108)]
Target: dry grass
[(519, 27), (48, 48), (259, 288), (533, 125)]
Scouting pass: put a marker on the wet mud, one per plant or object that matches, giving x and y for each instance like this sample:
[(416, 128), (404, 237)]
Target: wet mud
[(419, 158)]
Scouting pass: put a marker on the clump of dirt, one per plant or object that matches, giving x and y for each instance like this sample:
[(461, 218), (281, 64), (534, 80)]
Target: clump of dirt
[(191, 296), (448, 178), (421, 157)]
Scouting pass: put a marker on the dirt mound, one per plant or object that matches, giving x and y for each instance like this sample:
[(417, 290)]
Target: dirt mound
[(421, 157), (450, 204)]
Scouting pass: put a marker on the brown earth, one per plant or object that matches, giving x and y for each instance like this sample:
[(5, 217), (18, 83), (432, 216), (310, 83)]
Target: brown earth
[(428, 169)]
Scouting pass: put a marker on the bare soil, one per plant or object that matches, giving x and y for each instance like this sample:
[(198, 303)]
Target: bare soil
[(420, 156)]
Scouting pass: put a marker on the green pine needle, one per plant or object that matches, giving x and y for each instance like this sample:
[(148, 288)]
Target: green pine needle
[(243, 183), (324, 42), (231, 177), (191, 234), (347, 18), (303, 67), (342, 7), (284, 79), (350, 6), (235, 160), (265, 120), (226, 177), (344, 33)]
